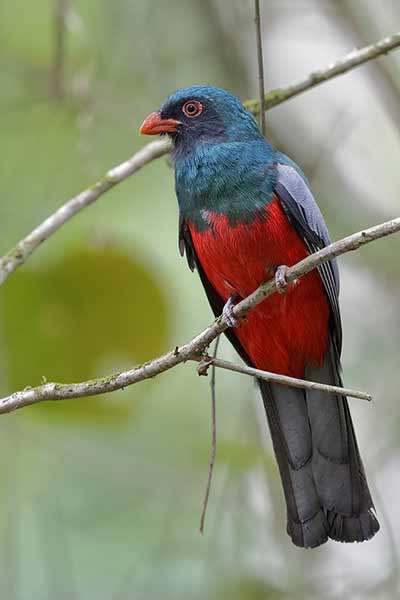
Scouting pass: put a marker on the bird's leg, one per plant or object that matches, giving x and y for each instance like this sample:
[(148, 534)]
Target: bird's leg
[(227, 311), (280, 279)]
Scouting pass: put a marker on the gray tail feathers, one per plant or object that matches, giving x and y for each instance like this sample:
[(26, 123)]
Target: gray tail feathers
[(326, 491)]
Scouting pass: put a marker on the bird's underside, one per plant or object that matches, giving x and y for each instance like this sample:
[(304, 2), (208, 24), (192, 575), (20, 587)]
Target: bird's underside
[(284, 331)]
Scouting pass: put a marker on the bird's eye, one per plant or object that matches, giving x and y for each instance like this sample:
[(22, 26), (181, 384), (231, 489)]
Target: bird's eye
[(192, 108)]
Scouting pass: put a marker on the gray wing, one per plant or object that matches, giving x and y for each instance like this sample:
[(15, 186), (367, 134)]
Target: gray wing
[(304, 214)]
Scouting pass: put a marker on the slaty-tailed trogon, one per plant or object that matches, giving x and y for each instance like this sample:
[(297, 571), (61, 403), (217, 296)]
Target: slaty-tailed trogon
[(246, 210)]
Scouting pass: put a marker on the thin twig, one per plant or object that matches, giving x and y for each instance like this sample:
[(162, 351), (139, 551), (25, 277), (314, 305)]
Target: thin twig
[(284, 379), (18, 255), (196, 347), (260, 62), (21, 252), (213, 438), (345, 64)]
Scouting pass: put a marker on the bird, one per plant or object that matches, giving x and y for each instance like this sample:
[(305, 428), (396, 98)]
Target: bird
[(246, 214)]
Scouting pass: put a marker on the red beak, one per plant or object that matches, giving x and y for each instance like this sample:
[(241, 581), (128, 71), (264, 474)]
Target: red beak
[(154, 124)]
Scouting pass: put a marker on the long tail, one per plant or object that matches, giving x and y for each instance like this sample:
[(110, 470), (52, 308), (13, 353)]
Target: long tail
[(320, 466)]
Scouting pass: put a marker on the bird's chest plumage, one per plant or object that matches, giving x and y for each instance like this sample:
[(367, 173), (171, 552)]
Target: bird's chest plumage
[(245, 254), (284, 332)]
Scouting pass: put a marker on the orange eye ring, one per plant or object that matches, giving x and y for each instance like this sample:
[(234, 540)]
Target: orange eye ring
[(192, 108)]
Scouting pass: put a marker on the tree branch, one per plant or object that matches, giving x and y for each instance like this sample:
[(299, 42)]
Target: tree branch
[(260, 62), (213, 439), (350, 61), (21, 252), (281, 379), (196, 347), (61, 9)]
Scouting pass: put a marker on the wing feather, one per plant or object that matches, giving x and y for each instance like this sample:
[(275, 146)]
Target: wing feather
[(305, 216)]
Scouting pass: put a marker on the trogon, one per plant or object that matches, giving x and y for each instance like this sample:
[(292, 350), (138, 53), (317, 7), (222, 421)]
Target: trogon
[(246, 213)]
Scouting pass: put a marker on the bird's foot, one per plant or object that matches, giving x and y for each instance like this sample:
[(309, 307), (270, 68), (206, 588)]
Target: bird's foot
[(280, 279), (227, 311)]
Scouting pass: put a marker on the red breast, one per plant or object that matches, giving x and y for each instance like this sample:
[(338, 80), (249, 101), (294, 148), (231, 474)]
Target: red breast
[(284, 332)]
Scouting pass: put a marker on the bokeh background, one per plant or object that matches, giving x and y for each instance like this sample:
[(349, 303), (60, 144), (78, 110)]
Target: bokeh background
[(100, 498)]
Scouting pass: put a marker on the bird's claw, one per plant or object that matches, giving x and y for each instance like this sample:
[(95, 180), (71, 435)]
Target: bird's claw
[(280, 279), (227, 312)]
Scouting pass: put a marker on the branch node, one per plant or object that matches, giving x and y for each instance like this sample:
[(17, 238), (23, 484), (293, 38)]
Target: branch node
[(204, 365)]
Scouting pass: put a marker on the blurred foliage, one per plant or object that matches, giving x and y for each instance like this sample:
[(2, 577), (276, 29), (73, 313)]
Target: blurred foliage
[(101, 497), (93, 309)]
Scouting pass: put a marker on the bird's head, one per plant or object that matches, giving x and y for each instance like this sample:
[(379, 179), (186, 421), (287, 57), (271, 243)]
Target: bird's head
[(201, 114)]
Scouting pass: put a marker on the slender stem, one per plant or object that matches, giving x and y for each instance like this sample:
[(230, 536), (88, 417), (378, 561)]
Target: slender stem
[(288, 381), (260, 62), (60, 18), (213, 438)]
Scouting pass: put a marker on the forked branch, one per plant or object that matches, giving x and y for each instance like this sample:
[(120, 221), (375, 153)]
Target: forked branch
[(195, 348)]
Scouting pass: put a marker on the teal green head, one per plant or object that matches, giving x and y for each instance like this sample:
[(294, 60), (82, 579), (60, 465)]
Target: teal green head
[(201, 115), (222, 162)]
